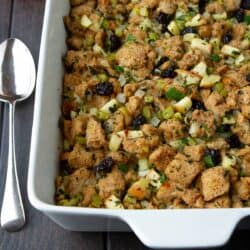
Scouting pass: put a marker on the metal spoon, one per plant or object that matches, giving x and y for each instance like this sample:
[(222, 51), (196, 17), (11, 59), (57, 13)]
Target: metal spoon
[(17, 82)]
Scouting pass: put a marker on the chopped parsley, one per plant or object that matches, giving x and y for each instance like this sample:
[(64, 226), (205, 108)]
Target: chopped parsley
[(123, 168), (118, 69), (215, 58), (174, 94), (130, 38)]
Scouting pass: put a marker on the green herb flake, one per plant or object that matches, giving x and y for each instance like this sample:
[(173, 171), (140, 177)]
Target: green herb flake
[(247, 19), (162, 177), (208, 161), (118, 69), (215, 58), (174, 94), (123, 168), (130, 38)]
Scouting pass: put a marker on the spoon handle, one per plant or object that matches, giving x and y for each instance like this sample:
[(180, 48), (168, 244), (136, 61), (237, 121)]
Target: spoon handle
[(12, 213)]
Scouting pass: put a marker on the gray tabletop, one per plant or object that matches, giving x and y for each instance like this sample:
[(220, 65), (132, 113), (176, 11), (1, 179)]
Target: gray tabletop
[(23, 19)]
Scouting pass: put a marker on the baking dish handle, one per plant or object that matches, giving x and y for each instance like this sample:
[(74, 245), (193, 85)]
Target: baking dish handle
[(180, 229)]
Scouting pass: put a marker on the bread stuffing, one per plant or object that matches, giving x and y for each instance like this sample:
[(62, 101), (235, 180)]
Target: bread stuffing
[(156, 105)]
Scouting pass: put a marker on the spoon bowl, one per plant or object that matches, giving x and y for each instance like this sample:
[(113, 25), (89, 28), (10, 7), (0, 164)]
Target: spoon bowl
[(17, 71), (17, 82)]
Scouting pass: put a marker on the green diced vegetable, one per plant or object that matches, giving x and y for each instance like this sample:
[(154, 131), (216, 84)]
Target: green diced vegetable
[(208, 161), (66, 145), (123, 168), (103, 115), (146, 112), (152, 37), (162, 178), (148, 99), (96, 201), (118, 69), (174, 94), (215, 58), (130, 38), (81, 140), (219, 87), (247, 19), (102, 77), (168, 113), (105, 24)]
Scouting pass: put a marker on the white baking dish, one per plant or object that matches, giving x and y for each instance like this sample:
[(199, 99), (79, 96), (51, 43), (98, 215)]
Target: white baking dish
[(155, 228)]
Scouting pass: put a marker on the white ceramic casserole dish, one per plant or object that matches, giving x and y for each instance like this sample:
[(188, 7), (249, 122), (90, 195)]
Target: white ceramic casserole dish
[(155, 228)]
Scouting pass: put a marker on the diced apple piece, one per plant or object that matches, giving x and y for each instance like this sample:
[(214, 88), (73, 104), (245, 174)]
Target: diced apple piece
[(209, 80), (183, 105)]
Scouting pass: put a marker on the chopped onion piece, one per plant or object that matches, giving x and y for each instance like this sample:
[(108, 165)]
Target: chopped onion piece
[(202, 45), (140, 93), (230, 50), (85, 21), (109, 106), (121, 98), (115, 142), (143, 167), (155, 121), (200, 68), (112, 202), (209, 80), (183, 105), (122, 80)]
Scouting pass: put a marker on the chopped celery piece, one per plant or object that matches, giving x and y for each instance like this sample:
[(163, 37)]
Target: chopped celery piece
[(81, 140), (66, 145), (148, 99), (103, 115), (168, 113), (96, 201), (152, 37), (146, 112), (102, 77)]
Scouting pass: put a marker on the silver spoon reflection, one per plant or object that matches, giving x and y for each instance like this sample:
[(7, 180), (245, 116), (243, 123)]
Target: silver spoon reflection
[(17, 82)]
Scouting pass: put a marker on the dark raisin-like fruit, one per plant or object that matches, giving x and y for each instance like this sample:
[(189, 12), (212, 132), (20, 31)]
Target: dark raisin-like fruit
[(227, 38), (224, 128), (202, 5), (164, 28), (248, 77), (115, 43), (245, 4), (169, 72), (138, 121), (215, 155), (105, 166), (104, 89), (163, 18), (161, 61), (197, 104), (188, 30), (239, 15), (234, 141)]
